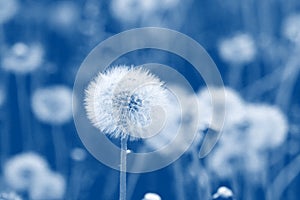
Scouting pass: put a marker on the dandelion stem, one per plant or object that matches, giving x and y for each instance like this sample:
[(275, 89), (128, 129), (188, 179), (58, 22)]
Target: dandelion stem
[(123, 160)]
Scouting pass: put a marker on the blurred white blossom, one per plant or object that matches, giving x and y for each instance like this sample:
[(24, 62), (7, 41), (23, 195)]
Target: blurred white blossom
[(9, 196), (50, 186), (267, 126), (22, 58), (126, 101), (291, 28), (134, 10), (64, 15), (22, 170), (239, 49), (223, 192), (52, 104), (151, 196), (8, 9)]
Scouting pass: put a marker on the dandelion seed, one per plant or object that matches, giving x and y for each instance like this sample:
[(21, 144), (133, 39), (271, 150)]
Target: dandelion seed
[(23, 58), (52, 104), (48, 187), (125, 101), (239, 49), (9, 196), (151, 196), (291, 28), (8, 9), (223, 192), (23, 169)]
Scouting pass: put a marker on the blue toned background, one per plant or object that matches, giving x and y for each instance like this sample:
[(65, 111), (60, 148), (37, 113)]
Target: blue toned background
[(255, 44)]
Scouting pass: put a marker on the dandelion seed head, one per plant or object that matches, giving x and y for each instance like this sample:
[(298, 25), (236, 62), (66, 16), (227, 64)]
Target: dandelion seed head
[(223, 192), (8, 9), (239, 49), (48, 187), (23, 169), (9, 196), (126, 100), (52, 104), (291, 28), (268, 126), (22, 58), (234, 105), (151, 196)]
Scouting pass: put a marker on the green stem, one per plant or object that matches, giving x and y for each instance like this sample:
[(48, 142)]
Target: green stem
[(123, 164)]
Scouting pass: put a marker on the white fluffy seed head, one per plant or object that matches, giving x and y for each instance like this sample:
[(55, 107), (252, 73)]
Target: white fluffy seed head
[(22, 58), (126, 101), (239, 49), (23, 169), (52, 104), (223, 192), (151, 196)]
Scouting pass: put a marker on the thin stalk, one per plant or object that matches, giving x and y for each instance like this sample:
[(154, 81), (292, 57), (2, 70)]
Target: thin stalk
[(123, 164)]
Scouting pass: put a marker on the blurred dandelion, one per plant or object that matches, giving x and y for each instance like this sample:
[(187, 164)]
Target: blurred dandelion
[(223, 192), (22, 170), (151, 196), (9, 196), (7, 10), (268, 126), (63, 16), (125, 102), (237, 50), (22, 58), (53, 104), (50, 186), (291, 28)]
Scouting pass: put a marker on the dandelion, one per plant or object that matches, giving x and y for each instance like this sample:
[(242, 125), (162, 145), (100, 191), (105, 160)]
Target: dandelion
[(239, 49), (291, 28), (64, 15), (48, 187), (23, 169), (9, 196), (22, 58), (7, 10), (151, 196), (52, 104), (223, 192), (267, 126), (125, 102)]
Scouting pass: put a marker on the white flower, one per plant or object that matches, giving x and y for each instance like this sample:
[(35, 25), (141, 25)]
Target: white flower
[(151, 196), (291, 28), (126, 101), (50, 186), (7, 10), (240, 49), (9, 196), (52, 104), (22, 58), (223, 192), (23, 169), (267, 126)]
